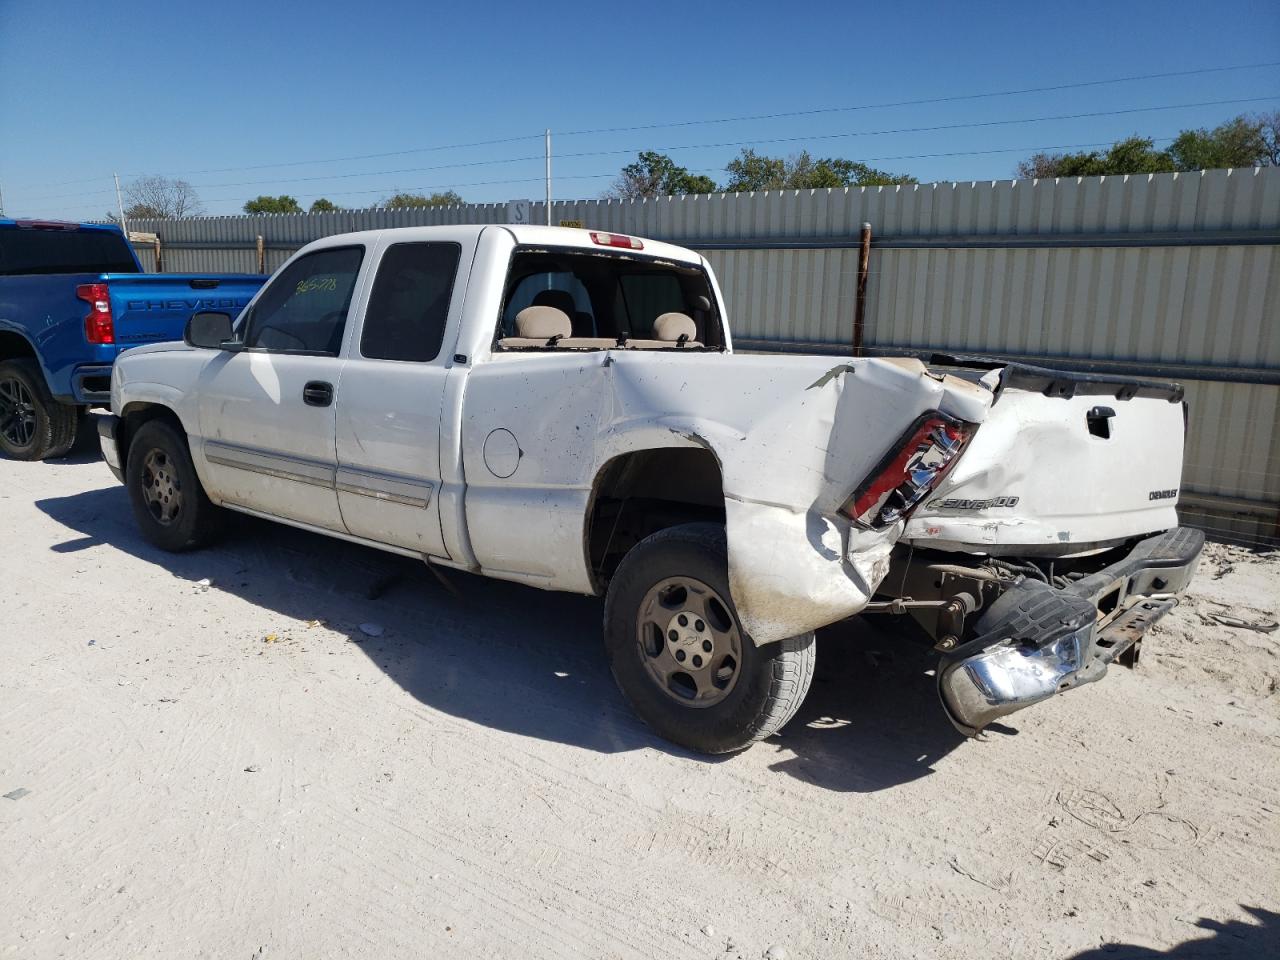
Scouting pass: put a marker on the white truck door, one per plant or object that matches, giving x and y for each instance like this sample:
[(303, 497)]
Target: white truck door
[(389, 403), (266, 412)]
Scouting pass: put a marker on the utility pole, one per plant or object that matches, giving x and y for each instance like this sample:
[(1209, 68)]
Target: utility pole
[(548, 177), (1, 200), (124, 227)]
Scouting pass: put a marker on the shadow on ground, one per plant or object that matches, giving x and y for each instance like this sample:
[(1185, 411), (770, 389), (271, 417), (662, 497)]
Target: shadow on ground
[(1230, 940), (528, 661)]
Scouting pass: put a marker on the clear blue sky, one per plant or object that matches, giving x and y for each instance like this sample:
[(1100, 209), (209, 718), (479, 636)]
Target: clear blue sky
[(181, 89)]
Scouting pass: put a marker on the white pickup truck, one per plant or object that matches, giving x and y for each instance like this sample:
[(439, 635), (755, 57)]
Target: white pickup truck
[(564, 408)]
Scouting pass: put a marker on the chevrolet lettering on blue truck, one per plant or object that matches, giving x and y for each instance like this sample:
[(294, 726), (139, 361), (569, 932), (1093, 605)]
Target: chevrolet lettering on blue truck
[(563, 408), (72, 297)]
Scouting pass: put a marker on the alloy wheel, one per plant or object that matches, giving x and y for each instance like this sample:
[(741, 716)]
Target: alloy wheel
[(17, 413), (689, 641), (161, 488)]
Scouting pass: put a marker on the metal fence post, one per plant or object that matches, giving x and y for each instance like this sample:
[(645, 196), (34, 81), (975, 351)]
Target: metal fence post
[(860, 304)]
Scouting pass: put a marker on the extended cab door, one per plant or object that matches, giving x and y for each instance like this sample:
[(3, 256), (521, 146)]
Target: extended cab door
[(393, 387), (266, 411)]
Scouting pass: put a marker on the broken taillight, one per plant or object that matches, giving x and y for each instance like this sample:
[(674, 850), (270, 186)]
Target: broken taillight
[(911, 469), (99, 325)]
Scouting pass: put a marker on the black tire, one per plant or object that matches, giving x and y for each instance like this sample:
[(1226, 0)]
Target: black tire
[(168, 499), (770, 681), (33, 425)]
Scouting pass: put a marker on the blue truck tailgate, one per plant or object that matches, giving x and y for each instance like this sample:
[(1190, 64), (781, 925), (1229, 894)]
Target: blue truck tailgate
[(152, 307)]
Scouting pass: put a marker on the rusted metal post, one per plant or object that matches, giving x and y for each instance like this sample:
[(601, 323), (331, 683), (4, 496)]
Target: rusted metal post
[(860, 306), (159, 255), (262, 255)]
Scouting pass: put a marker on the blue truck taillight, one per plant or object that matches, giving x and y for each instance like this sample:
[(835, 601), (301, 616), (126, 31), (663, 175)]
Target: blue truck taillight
[(99, 325)]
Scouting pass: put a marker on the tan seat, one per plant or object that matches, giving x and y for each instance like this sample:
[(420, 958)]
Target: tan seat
[(536, 326), (672, 326), (543, 323)]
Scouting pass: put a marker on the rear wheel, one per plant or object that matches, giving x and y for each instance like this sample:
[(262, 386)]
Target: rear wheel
[(33, 425), (168, 500), (680, 656)]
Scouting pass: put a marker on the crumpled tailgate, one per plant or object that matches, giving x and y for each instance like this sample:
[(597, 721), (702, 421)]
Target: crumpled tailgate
[(1060, 466)]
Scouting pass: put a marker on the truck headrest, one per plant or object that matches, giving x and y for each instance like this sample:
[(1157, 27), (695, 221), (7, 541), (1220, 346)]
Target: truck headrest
[(671, 326), (543, 323)]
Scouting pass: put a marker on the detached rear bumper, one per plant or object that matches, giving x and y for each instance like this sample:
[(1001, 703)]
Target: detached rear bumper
[(1036, 641)]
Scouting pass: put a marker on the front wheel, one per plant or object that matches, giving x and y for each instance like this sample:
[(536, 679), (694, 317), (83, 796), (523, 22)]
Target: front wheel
[(680, 656), (168, 500)]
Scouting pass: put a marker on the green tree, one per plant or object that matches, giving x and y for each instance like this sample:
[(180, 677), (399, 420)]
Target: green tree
[(657, 175), (402, 200), (1132, 155), (1239, 142), (1270, 123), (265, 204), (323, 205), (753, 171)]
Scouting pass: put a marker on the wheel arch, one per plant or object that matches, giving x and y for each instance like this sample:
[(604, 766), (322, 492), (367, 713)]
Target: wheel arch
[(14, 344), (654, 483), (134, 415)]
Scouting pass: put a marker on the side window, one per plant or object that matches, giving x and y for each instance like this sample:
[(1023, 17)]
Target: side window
[(304, 310), (410, 302)]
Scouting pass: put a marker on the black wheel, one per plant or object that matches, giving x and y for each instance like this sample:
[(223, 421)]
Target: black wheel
[(680, 656), (33, 425), (168, 501)]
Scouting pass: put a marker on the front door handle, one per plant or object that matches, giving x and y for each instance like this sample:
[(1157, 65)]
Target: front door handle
[(317, 393)]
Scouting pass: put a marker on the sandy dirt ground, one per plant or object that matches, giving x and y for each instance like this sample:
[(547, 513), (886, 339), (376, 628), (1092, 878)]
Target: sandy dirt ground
[(220, 763)]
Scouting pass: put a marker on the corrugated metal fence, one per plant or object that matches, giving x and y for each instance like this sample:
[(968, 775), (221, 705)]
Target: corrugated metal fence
[(1172, 276)]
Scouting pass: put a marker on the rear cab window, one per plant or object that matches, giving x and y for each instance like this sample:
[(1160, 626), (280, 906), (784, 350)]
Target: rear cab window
[(35, 250), (610, 300)]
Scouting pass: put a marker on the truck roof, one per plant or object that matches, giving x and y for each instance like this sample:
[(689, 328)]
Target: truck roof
[(57, 224), (526, 234)]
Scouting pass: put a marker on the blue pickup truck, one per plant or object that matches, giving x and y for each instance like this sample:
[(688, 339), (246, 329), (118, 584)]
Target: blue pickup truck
[(72, 298)]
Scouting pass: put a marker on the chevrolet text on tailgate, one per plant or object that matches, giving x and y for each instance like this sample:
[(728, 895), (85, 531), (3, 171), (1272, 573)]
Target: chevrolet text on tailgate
[(563, 408), (72, 297)]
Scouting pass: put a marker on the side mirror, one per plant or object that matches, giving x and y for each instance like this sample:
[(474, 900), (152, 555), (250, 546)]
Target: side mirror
[(208, 330)]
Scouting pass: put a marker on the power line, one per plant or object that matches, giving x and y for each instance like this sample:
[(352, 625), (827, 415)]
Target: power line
[(928, 129), (599, 176), (926, 100), (329, 176), (733, 143), (368, 156), (614, 173), (954, 98)]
